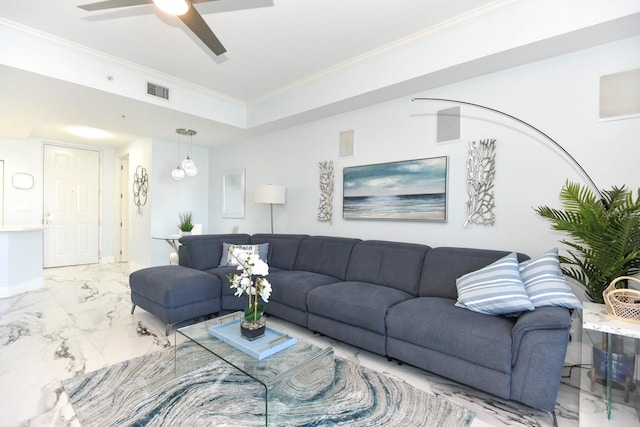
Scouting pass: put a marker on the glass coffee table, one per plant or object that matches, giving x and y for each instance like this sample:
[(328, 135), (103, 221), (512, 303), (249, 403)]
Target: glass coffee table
[(297, 377)]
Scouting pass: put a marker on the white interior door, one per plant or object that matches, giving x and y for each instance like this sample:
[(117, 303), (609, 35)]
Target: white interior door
[(71, 206)]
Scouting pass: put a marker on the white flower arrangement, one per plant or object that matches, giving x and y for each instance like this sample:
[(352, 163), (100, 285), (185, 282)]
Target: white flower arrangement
[(249, 283)]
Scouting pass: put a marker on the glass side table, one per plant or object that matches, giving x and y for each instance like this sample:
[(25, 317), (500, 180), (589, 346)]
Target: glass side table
[(172, 240), (610, 348), (300, 376)]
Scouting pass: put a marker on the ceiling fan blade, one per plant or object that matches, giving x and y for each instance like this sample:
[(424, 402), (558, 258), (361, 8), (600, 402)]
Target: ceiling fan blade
[(112, 4), (194, 21)]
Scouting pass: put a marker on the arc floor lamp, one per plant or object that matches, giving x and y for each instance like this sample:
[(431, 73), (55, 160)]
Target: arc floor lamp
[(547, 137)]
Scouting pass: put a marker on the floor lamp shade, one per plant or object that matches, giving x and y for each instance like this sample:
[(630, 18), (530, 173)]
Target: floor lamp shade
[(271, 194), (274, 194)]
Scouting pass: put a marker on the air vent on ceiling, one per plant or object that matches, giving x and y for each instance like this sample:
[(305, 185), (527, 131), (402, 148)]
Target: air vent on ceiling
[(157, 90)]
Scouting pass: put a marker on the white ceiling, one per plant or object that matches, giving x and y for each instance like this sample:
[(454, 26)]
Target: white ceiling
[(271, 45)]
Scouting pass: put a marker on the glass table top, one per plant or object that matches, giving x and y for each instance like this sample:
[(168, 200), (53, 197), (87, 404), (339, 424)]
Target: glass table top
[(266, 371)]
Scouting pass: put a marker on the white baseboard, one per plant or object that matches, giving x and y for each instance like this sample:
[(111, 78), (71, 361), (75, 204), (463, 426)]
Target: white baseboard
[(18, 288)]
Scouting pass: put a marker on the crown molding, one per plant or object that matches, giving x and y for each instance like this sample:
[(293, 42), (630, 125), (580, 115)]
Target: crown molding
[(94, 54), (457, 22)]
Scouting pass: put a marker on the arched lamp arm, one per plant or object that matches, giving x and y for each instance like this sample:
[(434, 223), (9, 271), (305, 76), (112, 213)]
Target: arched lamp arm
[(553, 141)]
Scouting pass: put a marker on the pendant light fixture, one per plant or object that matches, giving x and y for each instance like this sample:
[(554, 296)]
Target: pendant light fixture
[(177, 173), (193, 171), (188, 165)]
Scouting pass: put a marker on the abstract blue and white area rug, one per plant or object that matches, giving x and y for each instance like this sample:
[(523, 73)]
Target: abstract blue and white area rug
[(146, 391)]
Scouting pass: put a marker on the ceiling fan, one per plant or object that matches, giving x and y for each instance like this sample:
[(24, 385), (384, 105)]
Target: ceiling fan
[(183, 9)]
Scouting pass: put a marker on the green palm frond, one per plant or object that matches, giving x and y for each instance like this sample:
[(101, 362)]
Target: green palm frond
[(604, 234)]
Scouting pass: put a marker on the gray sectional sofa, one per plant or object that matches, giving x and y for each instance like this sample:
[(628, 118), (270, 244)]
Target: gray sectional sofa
[(394, 299)]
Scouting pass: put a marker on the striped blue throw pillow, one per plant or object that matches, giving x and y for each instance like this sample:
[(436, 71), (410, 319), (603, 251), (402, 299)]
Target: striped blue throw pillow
[(495, 289), (545, 284)]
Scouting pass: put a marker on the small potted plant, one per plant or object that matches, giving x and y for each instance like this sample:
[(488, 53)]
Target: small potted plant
[(186, 223), (251, 281)]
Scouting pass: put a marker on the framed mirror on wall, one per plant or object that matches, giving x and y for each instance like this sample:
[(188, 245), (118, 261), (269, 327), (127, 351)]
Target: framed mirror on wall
[(233, 193)]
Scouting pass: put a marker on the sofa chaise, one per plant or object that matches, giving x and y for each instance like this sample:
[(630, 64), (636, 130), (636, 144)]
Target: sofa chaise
[(394, 299)]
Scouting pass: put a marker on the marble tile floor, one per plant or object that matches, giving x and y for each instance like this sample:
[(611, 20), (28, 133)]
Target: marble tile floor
[(80, 322)]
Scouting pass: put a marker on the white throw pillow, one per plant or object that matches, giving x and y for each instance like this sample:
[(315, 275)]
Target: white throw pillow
[(262, 250)]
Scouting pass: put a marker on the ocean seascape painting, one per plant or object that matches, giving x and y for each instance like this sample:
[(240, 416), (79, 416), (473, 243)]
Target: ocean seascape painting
[(409, 190)]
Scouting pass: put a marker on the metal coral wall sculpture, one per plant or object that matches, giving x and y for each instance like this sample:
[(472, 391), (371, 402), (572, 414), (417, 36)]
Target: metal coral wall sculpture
[(480, 174), (325, 207)]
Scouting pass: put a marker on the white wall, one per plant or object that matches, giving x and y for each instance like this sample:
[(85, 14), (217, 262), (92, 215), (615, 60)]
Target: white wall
[(107, 206), (1, 191), (559, 96), (140, 154), (22, 207), (190, 194), (158, 217)]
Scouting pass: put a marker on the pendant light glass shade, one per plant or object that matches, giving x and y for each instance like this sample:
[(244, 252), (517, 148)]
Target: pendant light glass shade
[(192, 171), (187, 167), (177, 173), (187, 164), (172, 7)]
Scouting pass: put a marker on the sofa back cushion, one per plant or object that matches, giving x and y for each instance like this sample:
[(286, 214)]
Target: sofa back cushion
[(283, 248), (391, 264), (325, 255), (442, 266), (204, 251)]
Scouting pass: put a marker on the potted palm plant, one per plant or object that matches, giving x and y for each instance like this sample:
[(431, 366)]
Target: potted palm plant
[(605, 235), (604, 244)]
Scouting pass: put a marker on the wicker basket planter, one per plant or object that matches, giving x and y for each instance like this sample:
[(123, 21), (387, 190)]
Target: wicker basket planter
[(623, 304)]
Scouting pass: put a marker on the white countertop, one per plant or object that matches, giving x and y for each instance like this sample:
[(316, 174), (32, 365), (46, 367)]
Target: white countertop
[(168, 237), (595, 317), (19, 228)]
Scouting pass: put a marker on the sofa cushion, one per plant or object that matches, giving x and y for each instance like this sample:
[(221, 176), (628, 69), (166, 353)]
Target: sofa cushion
[(494, 289), (391, 264), (437, 324), (204, 251), (442, 266), (291, 287), (221, 273), (355, 303), (172, 286), (545, 284), (226, 259), (283, 248), (325, 255)]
